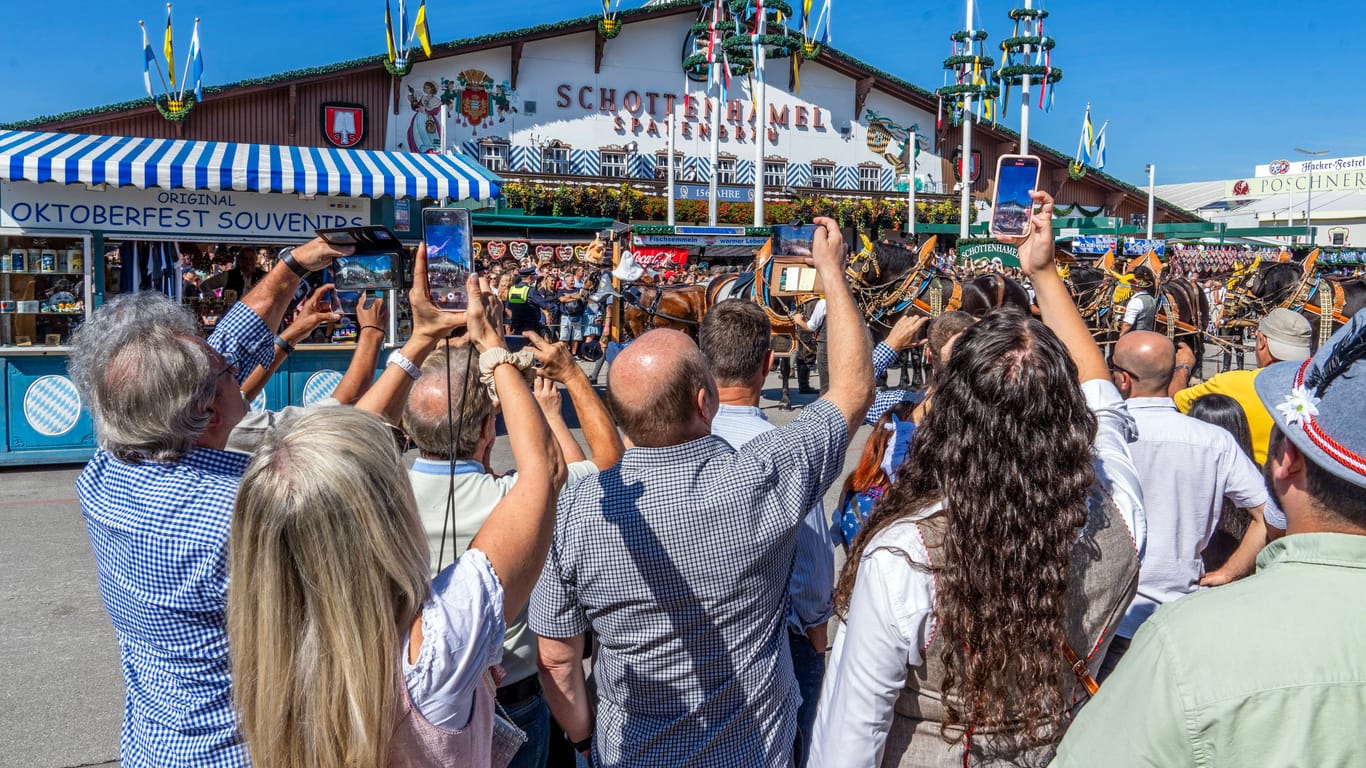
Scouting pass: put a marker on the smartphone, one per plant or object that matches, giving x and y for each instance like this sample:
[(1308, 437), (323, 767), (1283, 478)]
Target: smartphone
[(793, 240), (373, 238), (449, 261), (368, 272), (1016, 177)]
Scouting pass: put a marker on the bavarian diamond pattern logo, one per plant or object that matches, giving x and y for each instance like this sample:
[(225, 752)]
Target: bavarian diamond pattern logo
[(52, 406), (320, 385)]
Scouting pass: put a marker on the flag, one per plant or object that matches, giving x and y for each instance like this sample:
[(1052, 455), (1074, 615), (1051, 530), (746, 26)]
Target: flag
[(170, 53), (1098, 157), (389, 32), (403, 24), (420, 28), (1087, 139), (196, 64), (148, 58)]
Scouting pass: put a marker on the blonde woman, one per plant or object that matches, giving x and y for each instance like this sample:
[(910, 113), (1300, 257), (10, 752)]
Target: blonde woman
[(343, 653)]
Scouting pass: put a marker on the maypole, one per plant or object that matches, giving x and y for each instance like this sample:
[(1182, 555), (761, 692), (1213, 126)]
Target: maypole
[(1035, 50), (967, 64), (753, 50)]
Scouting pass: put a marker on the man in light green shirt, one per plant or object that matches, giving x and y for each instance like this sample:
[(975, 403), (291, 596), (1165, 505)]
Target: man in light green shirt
[(1269, 671)]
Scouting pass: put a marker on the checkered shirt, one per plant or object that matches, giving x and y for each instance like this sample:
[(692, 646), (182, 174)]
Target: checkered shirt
[(886, 399), (679, 559), (160, 532)]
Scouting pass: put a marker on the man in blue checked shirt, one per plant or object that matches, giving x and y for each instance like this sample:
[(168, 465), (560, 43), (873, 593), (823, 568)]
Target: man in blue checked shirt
[(158, 495)]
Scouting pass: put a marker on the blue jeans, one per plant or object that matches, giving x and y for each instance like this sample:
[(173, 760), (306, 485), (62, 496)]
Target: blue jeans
[(809, 668), (533, 716)]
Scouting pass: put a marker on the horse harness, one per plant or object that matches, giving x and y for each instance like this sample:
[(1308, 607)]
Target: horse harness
[(653, 310)]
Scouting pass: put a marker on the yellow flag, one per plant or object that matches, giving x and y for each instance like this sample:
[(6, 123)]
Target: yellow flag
[(423, 36), (389, 32), (170, 54)]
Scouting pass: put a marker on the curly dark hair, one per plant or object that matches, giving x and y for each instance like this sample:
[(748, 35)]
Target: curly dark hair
[(1007, 448)]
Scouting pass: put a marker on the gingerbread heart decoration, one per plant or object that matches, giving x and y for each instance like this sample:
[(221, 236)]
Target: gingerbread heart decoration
[(477, 247), (565, 252), (544, 252), (497, 249), (518, 249), (580, 252)]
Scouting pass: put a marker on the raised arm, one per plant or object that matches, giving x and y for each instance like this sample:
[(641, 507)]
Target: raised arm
[(313, 312), (516, 536), (1055, 304), (360, 374), (430, 327), (272, 296), (850, 347), (599, 431)]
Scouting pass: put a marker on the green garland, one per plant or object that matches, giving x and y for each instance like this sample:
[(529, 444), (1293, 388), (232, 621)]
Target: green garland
[(985, 61), (174, 110), (1015, 73), (1076, 171), (609, 28), (1047, 43), (978, 35), (1019, 14), (990, 91), (398, 71)]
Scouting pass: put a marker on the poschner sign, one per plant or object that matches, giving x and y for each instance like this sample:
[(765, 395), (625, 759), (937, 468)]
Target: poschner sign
[(227, 214)]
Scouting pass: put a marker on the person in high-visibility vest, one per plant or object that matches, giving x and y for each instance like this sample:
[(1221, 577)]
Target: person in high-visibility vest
[(524, 303)]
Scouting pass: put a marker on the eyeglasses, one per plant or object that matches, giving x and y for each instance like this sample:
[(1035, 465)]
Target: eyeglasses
[(1120, 369), (229, 364)]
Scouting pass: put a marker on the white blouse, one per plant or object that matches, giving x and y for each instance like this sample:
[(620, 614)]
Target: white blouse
[(891, 610), (462, 636)]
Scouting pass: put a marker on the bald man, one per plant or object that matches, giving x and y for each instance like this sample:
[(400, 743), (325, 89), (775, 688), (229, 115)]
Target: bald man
[(1188, 468), (679, 557)]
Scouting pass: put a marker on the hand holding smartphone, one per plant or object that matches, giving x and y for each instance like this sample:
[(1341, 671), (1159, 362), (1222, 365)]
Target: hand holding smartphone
[(1017, 176), (449, 261)]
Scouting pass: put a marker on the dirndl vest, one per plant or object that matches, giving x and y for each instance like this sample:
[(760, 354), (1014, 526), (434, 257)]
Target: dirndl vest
[(1102, 580), (417, 743)]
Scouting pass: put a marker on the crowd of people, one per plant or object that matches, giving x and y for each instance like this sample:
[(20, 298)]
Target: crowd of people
[(1051, 556)]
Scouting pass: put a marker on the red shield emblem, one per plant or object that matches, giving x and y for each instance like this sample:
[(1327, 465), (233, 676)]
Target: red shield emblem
[(474, 105), (343, 124)]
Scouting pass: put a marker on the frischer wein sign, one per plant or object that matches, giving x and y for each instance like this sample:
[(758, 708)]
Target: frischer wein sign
[(174, 212)]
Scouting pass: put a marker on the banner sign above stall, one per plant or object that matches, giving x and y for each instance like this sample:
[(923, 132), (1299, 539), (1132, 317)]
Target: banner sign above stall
[(162, 212), (1097, 244), (697, 241), (660, 258), (1138, 247), (724, 193)]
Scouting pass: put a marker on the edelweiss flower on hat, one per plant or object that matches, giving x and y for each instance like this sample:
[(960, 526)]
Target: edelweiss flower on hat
[(1316, 403)]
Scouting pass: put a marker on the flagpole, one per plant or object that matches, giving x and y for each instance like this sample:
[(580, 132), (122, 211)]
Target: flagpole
[(671, 176), (715, 150), (1024, 91), (760, 137), (965, 173), (185, 73), (165, 89), (910, 180)]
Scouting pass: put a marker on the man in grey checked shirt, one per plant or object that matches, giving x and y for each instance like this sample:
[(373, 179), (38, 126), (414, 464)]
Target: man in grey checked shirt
[(679, 557)]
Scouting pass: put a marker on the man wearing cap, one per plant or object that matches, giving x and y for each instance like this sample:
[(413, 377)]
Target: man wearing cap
[(1271, 670), (524, 303), (1141, 311), (1281, 336)]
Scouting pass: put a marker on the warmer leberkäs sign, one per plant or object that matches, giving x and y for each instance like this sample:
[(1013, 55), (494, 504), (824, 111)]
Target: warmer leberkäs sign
[(992, 253)]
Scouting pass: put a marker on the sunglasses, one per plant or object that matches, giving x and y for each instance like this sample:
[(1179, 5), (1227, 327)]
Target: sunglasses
[(229, 364), (1116, 368)]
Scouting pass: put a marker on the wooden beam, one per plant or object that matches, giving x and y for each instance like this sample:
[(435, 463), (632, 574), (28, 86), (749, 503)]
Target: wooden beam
[(862, 88), (293, 109), (599, 45), (516, 62)]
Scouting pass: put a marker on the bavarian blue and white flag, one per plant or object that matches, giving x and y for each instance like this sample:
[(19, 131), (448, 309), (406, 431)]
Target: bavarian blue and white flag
[(1099, 153), (196, 64), (148, 56)]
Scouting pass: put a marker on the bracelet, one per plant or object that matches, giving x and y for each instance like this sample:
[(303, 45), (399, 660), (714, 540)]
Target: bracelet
[(1183, 365), (284, 346), (585, 745), (401, 360), (376, 327), (490, 359), (286, 257)]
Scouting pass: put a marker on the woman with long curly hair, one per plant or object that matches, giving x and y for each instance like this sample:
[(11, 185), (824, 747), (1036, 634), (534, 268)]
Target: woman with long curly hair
[(1006, 550)]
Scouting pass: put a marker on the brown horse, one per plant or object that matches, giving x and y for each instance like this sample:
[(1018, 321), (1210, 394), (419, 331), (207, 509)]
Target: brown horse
[(647, 306), (1328, 303)]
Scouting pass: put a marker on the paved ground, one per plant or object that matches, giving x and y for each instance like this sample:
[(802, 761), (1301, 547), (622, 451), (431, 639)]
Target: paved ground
[(61, 692)]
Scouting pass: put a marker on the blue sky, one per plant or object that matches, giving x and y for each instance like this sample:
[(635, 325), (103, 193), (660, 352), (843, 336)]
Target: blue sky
[(1204, 90)]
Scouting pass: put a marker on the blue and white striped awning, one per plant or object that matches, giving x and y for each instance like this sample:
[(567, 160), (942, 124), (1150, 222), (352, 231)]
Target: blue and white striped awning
[(119, 161)]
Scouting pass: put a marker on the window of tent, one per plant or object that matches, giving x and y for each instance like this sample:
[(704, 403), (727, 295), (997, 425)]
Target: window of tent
[(822, 176), (555, 160), (613, 164), (493, 155), (869, 178), (775, 173), (725, 170)]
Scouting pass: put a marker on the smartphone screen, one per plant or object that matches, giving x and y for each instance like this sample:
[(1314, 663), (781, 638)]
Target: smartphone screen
[(1016, 177), (370, 272), (447, 234), (793, 240)]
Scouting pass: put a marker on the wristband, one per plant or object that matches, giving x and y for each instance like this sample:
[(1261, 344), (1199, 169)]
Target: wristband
[(585, 745), (287, 258), (284, 346), (376, 327), (1183, 365), (401, 360)]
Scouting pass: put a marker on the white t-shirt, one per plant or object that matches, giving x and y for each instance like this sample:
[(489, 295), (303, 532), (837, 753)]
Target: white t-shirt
[(891, 611), (817, 318)]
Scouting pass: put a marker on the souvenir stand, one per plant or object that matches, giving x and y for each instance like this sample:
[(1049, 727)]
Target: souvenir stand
[(83, 218)]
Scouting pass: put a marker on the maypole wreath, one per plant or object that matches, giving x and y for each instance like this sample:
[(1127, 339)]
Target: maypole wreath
[(969, 66), (1028, 55), (609, 26)]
